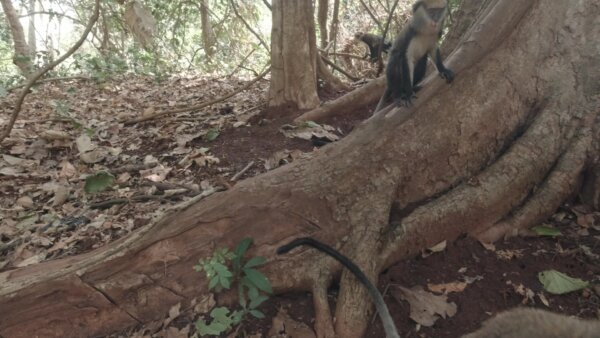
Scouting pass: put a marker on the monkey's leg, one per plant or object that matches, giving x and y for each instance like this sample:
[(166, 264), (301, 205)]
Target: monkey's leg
[(419, 73)]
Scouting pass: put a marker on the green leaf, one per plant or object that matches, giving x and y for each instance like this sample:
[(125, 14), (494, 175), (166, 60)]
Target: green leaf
[(255, 261), (100, 181), (558, 283), (240, 249), (214, 329), (544, 230), (252, 291), (221, 314), (236, 317), (212, 134), (222, 270), (255, 302), (258, 279), (213, 282), (225, 282), (258, 314)]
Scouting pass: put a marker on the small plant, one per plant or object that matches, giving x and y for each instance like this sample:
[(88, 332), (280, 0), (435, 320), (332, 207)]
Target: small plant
[(225, 268)]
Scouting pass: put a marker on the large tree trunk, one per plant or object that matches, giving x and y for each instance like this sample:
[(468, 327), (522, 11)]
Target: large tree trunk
[(293, 56), (22, 54), (496, 152)]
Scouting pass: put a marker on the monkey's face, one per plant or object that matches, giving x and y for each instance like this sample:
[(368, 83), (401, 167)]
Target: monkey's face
[(436, 14), (429, 20)]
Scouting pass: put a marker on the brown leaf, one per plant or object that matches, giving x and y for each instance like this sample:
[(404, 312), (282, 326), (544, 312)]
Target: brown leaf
[(447, 287), (425, 307), (284, 326)]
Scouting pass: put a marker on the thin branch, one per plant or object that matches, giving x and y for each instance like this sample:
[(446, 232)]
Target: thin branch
[(339, 69), (248, 26), (198, 106), (52, 79), (372, 15), (267, 4), (51, 14), (47, 68), (380, 49)]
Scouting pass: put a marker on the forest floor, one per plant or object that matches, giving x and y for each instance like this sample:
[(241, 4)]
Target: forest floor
[(69, 131)]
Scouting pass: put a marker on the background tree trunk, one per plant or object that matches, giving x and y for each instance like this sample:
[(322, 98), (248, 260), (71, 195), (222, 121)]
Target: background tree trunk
[(31, 30), (22, 54), (322, 19), (496, 152), (293, 56), (208, 35)]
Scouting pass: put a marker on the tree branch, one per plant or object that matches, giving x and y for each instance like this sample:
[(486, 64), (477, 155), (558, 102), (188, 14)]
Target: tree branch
[(31, 81)]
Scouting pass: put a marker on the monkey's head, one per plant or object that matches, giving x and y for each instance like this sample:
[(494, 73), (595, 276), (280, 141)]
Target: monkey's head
[(358, 35), (429, 15)]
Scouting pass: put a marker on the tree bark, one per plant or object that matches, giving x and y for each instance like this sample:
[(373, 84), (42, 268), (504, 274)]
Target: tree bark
[(293, 56), (22, 54), (322, 19), (493, 153), (208, 35), (31, 30)]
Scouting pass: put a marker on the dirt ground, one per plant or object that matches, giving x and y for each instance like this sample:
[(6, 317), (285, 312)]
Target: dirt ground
[(495, 278)]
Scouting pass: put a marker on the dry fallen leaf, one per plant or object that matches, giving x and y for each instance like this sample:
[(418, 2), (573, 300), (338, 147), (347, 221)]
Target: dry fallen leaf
[(447, 287), (283, 326), (425, 307)]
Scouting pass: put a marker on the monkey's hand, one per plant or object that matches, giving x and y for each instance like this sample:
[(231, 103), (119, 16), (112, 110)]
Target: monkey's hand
[(447, 74), (406, 100)]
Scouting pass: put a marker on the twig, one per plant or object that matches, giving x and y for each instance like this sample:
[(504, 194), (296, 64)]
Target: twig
[(339, 69), (371, 14), (198, 106), (133, 167), (67, 78), (249, 27), (31, 81), (380, 49), (242, 172)]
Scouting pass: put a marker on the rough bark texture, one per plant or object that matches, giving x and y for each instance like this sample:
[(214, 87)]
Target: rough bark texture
[(31, 29), (22, 54), (494, 152), (293, 56), (322, 19), (208, 35)]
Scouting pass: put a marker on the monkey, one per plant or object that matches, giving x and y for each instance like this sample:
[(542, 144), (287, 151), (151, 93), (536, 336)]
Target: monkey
[(388, 323), (407, 61), (535, 323), (373, 42)]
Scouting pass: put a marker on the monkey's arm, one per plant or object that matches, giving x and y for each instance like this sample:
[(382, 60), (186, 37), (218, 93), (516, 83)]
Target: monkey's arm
[(445, 73)]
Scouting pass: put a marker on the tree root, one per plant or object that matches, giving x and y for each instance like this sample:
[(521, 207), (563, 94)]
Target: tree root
[(486, 199), (562, 182), (360, 97), (323, 319)]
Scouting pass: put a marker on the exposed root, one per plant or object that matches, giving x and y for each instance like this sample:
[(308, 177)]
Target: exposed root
[(323, 319), (489, 197), (360, 97), (562, 182)]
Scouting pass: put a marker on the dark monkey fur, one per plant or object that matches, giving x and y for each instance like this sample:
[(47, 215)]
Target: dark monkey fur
[(407, 62), (373, 42)]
